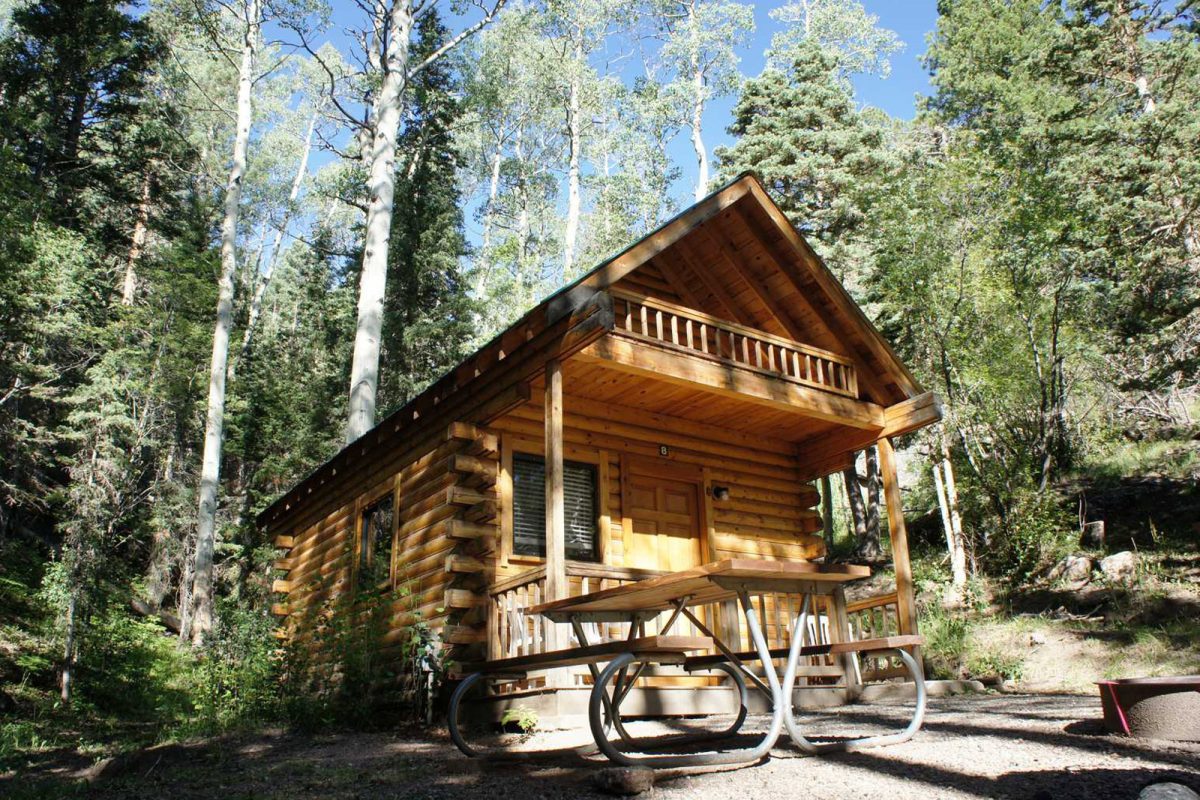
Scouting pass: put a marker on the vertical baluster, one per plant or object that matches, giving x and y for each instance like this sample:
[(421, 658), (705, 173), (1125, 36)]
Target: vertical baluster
[(703, 338), (820, 370), (674, 329), (746, 350), (687, 327), (502, 623), (645, 324), (628, 315), (658, 326), (796, 364)]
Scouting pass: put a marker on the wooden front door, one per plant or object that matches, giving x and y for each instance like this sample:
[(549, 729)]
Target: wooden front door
[(665, 516)]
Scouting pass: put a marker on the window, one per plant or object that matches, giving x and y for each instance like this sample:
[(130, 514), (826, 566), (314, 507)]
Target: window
[(529, 507), (375, 543)]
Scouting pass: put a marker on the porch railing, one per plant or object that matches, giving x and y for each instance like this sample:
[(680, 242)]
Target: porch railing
[(871, 618), (699, 334)]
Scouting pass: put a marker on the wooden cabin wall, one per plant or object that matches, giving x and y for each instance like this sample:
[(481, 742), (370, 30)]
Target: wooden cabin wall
[(444, 524), (769, 514)]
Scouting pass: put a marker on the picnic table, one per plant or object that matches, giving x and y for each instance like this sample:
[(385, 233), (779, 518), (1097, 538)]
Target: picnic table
[(677, 594)]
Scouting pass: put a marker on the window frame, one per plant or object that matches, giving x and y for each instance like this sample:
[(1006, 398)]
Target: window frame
[(510, 446), (365, 503)]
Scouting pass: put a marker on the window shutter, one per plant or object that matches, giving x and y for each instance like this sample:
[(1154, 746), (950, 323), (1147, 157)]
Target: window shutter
[(529, 507)]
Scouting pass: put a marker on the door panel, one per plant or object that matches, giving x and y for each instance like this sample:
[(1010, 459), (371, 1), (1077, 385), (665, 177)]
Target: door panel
[(666, 524)]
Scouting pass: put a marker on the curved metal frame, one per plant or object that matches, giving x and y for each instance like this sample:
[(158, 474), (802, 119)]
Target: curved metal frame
[(852, 745), (612, 714), (604, 712), (779, 710), (460, 692)]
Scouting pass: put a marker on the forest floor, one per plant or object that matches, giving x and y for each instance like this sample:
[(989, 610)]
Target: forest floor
[(989, 745)]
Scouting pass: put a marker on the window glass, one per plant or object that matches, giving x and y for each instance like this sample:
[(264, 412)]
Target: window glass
[(375, 544), (529, 507)]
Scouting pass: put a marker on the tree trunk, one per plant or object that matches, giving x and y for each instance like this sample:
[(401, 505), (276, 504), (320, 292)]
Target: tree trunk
[(858, 512), (698, 110), (137, 244), (959, 556), (260, 290), (364, 369), (827, 513), (488, 212), (210, 473), (870, 547), (66, 682), (574, 141)]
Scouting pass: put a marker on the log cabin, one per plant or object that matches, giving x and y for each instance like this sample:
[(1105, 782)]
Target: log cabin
[(670, 408)]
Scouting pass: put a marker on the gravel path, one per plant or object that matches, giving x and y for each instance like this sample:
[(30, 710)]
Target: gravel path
[(1004, 746)]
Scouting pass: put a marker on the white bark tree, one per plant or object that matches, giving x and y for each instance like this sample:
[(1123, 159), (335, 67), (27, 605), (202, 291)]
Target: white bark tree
[(842, 27), (386, 42), (249, 25), (700, 41)]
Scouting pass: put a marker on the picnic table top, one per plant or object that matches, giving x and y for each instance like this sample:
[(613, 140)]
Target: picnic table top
[(708, 583)]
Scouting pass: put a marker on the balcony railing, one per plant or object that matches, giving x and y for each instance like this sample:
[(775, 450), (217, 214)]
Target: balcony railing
[(699, 334)]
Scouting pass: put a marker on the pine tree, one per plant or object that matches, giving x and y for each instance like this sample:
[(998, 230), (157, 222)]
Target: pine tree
[(801, 134), (427, 313)]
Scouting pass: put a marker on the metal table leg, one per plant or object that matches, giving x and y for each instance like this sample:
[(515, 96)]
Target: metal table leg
[(742, 756), (793, 729)]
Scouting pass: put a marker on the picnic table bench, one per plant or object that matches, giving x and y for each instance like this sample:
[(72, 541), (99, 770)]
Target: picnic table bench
[(676, 593)]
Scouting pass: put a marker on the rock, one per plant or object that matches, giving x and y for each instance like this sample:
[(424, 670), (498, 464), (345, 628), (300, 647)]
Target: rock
[(1119, 567), (1037, 638), (1167, 791), (136, 762), (1092, 535), (1074, 569), (625, 780)]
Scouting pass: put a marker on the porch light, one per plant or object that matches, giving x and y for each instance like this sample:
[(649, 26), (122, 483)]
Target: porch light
[(720, 493)]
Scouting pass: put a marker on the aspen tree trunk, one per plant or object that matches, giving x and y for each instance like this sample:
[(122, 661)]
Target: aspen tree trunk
[(698, 115), (67, 679), (260, 290), (574, 141), (944, 507), (488, 212), (210, 473), (141, 227), (958, 556), (364, 369)]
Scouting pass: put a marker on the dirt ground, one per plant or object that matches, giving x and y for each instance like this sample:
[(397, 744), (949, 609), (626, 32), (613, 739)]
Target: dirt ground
[(973, 746)]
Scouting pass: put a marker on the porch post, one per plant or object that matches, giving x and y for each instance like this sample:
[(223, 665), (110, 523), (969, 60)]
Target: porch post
[(556, 523), (899, 535)]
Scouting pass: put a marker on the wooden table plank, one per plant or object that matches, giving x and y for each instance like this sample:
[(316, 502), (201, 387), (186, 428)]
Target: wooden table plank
[(705, 584)]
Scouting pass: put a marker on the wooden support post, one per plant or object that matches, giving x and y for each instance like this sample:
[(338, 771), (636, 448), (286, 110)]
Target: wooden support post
[(556, 522), (839, 631), (899, 535)]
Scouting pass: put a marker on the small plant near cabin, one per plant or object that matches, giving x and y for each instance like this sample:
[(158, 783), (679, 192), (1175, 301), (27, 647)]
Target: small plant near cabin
[(523, 717)]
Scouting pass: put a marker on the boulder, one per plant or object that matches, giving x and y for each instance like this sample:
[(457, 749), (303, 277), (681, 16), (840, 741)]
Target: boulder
[(1092, 534), (625, 780), (1073, 569), (1167, 791), (1119, 567)]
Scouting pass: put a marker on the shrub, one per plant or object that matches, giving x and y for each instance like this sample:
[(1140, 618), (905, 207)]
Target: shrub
[(235, 681), (1036, 533)]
